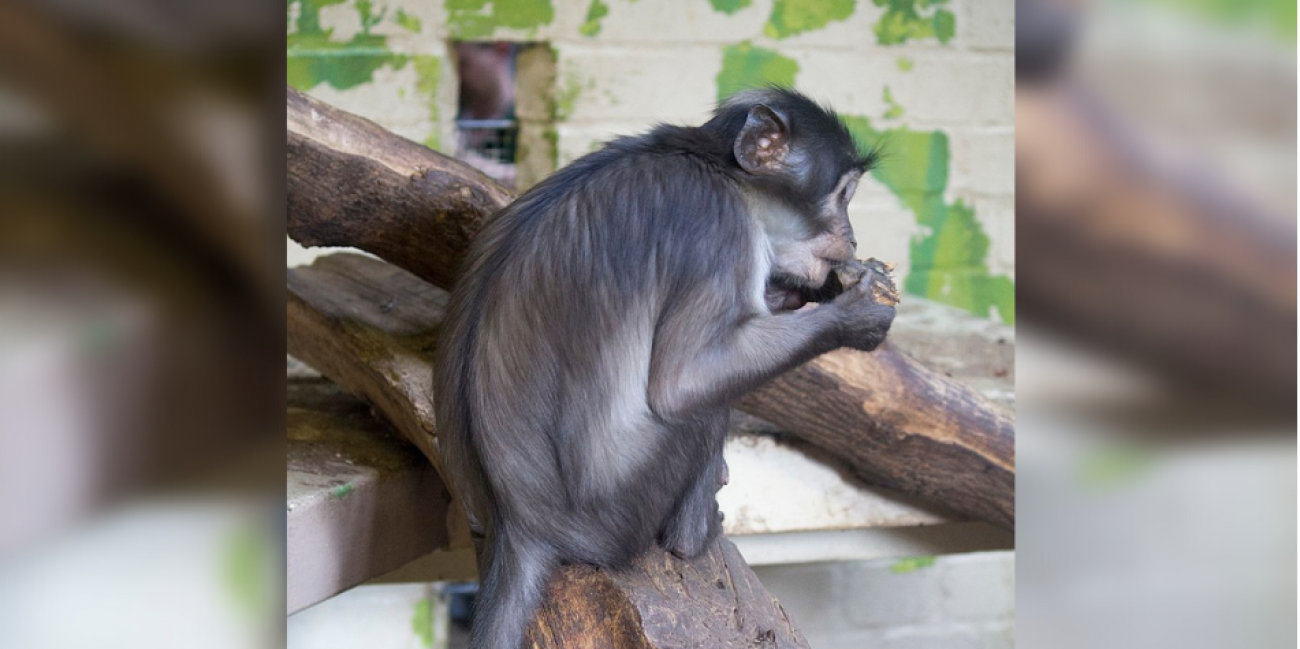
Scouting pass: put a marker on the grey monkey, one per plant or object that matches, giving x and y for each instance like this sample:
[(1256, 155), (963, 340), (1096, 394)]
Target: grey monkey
[(605, 319)]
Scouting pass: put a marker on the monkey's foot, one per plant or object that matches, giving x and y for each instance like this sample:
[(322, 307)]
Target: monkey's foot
[(687, 540)]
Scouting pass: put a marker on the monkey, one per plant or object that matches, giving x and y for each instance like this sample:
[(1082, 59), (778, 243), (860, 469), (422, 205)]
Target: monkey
[(605, 319)]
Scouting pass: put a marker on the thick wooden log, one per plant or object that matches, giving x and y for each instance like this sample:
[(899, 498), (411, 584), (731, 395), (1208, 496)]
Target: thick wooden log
[(352, 183), (370, 327), (713, 601), (893, 421)]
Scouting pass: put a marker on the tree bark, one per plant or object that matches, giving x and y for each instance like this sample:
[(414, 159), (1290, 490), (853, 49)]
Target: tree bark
[(893, 421), (352, 183), (370, 327), (712, 601)]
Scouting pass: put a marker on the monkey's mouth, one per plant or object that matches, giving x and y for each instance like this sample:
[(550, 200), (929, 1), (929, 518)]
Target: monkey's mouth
[(787, 292)]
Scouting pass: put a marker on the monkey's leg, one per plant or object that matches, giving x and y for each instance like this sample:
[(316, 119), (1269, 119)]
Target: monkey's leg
[(696, 521)]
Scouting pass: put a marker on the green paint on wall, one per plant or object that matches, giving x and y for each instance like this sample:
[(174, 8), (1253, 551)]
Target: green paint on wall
[(314, 57), (342, 491), (905, 64), (595, 12), (407, 21), (428, 73), (481, 18), (906, 20), (948, 261), (790, 17), (566, 96), (730, 6), (245, 560), (894, 111), (552, 137), (366, 11), (342, 70), (911, 564), (309, 15), (1109, 467), (745, 66), (422, 622)]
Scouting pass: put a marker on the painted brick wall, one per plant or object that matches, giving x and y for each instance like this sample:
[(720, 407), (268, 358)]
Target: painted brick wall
[(929, 81)]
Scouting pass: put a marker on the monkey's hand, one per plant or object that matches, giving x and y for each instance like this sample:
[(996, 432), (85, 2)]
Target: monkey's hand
[(865, 311), (873, 271), (877, 276)]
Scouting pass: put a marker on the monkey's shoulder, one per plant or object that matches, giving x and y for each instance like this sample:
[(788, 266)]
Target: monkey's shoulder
[(668, 159)]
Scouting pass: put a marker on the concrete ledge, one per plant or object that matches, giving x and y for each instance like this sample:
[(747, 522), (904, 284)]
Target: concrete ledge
[(361, 501)]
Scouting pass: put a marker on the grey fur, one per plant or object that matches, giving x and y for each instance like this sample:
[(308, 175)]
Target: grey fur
[(604, 321)]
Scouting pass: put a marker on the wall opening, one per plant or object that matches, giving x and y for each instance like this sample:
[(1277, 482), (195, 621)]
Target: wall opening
[(487, 127), (506, 117)]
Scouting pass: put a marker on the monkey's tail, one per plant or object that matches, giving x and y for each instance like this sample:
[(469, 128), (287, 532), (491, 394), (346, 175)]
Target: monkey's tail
[(516, 568)]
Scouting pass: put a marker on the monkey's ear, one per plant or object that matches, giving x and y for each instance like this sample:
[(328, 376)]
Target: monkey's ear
[(763, 143)]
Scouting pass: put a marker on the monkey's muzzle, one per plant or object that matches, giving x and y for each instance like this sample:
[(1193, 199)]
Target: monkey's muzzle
[(785, 295)]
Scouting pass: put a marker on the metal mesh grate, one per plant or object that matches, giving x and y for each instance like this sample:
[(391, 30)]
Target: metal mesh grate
[(489, 145)]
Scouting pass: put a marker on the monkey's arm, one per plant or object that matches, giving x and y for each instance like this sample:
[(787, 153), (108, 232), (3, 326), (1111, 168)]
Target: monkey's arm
[(709, 371)]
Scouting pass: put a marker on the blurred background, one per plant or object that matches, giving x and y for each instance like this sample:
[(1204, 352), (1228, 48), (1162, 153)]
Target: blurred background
[(141, 327), (1156, 207), (1151, 211)]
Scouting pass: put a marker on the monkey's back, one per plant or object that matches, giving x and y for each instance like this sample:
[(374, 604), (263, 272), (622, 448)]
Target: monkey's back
[(560, 296)]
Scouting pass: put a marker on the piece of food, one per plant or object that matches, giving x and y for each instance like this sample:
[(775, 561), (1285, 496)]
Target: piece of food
[(872, 270)]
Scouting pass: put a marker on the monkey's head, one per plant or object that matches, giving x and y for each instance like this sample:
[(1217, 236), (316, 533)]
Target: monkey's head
[(798, 167)]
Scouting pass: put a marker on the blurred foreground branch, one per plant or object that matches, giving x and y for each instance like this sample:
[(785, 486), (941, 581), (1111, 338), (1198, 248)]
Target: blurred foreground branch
[(1181, 276)]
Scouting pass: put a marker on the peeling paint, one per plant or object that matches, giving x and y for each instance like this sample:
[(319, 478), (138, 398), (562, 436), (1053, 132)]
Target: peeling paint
[(552, 138), (745, 66), (790, 17), (949, 258), (428, 73), (911, 564), (315, 57), (730, 6), (407, 21), (591, 27), (894, 111), (566, 97), (422, 621), (906, 20), (481, 18)]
